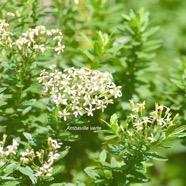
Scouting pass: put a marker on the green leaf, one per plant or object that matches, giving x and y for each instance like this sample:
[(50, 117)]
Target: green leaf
[(90, 172), (114, 119), (10, 168), (103, 156), (95, 65), (151, 31), (105, 122), (28, 172), (28, 136), (98, 49), (3, 103), (85, 54), (139, 178), (26, 110), (11, 183), (57, 184), (111, 137), (29, 102), (113, 162), (178, 130), (2, 89), (57, 169), (155, 156), (114, 123), (159, 137), (7, 178)]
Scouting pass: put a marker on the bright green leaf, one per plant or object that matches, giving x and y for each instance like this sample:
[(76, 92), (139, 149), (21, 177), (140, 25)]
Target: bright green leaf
[(90, 171), (11, 183), (103, 156), (10, 168), (28, 172)]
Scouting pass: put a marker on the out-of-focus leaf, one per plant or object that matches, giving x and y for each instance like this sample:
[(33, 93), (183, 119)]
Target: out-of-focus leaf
[(10, 168), (91, 172), (103, 156), (28, 172)]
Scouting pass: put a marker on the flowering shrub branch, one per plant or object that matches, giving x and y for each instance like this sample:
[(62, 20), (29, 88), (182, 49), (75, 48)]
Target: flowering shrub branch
[(34, 164), (131, 145)]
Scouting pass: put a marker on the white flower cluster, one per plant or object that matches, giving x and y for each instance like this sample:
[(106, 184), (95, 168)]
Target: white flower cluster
[(33, 40), (53, 155), (160, 117), (5, 34), (78, 91), (36, 40), (29, 156), (8, 151)]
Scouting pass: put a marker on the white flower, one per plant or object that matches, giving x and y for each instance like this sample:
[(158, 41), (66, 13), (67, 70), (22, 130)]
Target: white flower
[(59, 99), (60, 48), (151, 138), (38, 174), (52, 67), (40, 47), (64, 114), (116, 92), (53, 143), (78, 111), (146, 119), (90, 110), (161, 121)]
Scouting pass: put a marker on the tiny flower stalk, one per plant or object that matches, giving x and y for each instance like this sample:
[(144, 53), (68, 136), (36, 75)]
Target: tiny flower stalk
[(131, 144)]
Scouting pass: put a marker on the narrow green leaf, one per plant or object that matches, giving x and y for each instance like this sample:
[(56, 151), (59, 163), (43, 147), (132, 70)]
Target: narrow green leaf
[(85, 54), (105, 122), (178, 130), (155, 156), (57, 184), (151, 31), (111, 137), (103, 156), (7, 178), (98, 49), (90, 172)]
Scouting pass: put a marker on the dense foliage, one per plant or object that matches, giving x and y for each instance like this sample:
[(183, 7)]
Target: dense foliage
[(92, 92)]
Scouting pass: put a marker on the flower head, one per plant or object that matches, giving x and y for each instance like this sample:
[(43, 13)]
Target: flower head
[(79, 91)]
